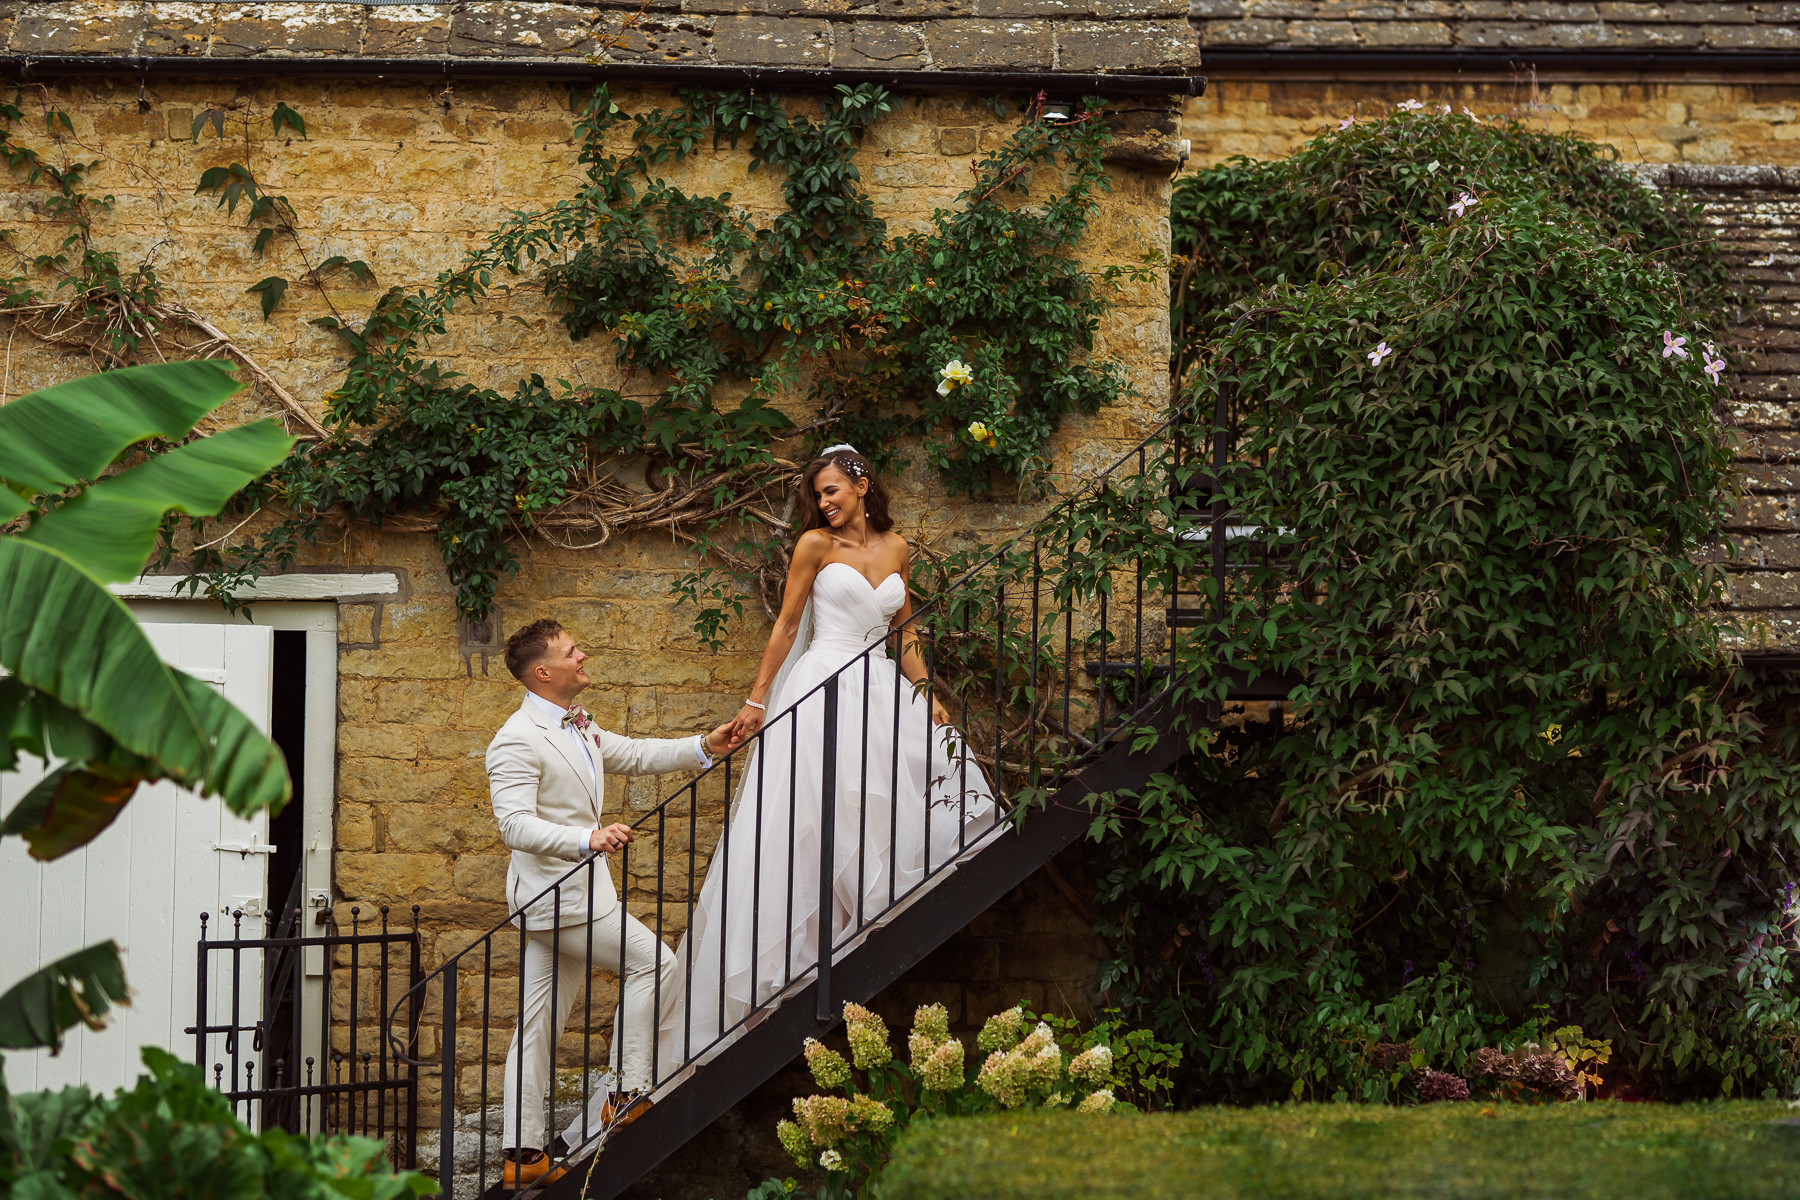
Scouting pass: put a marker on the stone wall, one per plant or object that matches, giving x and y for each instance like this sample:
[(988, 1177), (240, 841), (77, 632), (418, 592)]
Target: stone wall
[(1722, 121), (408, 176)]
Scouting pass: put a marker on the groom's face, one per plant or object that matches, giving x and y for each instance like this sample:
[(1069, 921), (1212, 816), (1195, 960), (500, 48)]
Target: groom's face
[(561, 669)]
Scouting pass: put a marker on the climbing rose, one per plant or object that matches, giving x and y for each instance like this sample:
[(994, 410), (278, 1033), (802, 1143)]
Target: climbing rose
[(829, 1070), (868, 1037), (981, 433), (954, 375), (1673, 345), (1100, 1102)]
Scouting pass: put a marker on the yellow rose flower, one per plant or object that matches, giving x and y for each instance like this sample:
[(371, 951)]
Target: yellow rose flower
[(980, 432), (954, 375)]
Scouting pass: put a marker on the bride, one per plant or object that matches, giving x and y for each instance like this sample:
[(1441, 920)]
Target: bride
[(908, 798)]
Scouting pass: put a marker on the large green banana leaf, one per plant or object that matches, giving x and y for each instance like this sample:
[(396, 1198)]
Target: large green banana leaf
[(75, 990), (63, 634)]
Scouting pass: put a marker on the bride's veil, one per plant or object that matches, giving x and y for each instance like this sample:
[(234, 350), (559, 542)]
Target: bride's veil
[(777, 691)]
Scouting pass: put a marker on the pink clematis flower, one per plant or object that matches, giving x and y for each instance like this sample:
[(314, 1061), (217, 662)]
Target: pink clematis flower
[(1346, 123), (1672, 345), (1463, 203), (1469, 114), (1410, 106), (1381, 351), (1713, 368)]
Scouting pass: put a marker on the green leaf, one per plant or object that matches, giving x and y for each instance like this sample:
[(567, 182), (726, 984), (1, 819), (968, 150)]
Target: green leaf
[(284, 115), (111, 528), (62, 633), (272, 290), (69, 433), (79, 989), (68, 808)]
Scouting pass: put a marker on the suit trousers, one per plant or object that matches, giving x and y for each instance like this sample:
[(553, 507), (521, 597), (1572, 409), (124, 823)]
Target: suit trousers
[(559, 960)]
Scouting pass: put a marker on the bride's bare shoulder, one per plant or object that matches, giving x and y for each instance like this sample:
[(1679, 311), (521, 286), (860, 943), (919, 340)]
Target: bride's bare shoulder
[(812, 546), (898, 545)]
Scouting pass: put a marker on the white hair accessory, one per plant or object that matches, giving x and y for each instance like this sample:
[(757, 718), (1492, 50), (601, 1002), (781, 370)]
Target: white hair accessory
[(828, 451)]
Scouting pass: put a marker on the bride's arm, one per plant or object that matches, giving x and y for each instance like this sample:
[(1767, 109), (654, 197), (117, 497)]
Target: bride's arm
[(809, 556), (912, 663)]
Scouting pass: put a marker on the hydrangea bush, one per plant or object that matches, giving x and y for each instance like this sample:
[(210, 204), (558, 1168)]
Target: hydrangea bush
[(1021, 1062), (1524, 784)]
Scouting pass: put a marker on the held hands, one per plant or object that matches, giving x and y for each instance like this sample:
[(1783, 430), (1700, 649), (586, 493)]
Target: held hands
[(613, 837), (749, 719), (724, 739)]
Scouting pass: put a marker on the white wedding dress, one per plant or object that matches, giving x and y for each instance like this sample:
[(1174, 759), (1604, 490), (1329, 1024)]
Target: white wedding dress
[(909, 800)]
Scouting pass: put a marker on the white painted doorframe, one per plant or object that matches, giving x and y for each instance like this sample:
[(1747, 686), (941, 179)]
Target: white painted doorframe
[(154, 971)]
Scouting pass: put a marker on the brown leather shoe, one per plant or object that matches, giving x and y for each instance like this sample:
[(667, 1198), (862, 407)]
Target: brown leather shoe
[(517, 1175), (623, 1114)]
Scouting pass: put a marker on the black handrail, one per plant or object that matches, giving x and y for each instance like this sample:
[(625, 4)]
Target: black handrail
[(968, 628)]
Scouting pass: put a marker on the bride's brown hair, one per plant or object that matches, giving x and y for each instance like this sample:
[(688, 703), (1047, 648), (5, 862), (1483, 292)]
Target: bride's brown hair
[(855, 466)]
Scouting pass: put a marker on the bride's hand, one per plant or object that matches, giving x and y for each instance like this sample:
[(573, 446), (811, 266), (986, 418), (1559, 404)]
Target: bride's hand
[(747, 721), (939, 714)]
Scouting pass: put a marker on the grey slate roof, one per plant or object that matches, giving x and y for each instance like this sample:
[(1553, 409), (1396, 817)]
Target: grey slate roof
[(1756, 212), (1042, 36), (1496, 25)]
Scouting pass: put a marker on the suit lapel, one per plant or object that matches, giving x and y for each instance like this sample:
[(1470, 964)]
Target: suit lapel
[(553, 734)]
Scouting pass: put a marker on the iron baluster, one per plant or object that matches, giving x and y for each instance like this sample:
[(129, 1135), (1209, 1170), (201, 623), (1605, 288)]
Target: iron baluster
[(827, 843)]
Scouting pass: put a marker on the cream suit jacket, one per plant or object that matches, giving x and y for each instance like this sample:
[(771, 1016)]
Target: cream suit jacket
[(546, 807)]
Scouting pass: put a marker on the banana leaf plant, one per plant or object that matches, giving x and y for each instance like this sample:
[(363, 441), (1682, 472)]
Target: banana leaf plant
[(82, 683)]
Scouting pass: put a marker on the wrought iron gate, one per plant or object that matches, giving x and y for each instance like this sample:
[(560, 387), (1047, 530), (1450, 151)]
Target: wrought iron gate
[(311, 1060)]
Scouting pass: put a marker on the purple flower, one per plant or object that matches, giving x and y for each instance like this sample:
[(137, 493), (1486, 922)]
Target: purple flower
[(1380, 352), (1631, 956), (1406, 969), (1672, 345), (1468, 966), (1206, 971)]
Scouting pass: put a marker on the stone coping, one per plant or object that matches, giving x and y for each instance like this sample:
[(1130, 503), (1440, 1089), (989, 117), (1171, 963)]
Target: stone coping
[(1497, 26), (861, 37)]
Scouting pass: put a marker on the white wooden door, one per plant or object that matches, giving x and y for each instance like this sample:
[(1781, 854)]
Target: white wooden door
[(143, 883)]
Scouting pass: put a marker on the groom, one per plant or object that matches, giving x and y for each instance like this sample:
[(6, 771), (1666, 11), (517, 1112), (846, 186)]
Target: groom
[(547, 772)]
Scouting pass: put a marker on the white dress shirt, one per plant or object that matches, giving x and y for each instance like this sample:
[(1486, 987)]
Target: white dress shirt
[(556, 713)]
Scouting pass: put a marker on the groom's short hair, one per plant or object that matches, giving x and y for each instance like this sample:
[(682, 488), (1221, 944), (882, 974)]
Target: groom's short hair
[(528, 644)]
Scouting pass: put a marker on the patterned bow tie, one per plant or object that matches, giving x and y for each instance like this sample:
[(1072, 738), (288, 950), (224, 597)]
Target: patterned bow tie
[(576, 716)]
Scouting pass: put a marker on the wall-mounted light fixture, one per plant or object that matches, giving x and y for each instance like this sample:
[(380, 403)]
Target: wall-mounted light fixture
[(1058, 110)]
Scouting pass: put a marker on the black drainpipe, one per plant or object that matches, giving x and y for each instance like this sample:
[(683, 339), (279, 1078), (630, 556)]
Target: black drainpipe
[(35, 67)]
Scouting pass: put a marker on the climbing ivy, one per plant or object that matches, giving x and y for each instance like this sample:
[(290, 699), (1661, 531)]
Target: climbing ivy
[(724, 311), (1522, 782)]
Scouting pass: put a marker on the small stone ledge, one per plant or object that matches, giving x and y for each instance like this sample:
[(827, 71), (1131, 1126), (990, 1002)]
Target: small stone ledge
[(1089, 37), (1496, 25)]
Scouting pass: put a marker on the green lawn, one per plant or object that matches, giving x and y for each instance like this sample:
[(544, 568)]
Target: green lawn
[(1335, 1151)]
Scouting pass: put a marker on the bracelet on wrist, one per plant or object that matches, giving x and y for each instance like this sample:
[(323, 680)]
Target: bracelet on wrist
[(755, 705)]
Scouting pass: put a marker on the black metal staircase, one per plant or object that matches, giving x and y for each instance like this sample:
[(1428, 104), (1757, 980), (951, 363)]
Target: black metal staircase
[(1058, 649)]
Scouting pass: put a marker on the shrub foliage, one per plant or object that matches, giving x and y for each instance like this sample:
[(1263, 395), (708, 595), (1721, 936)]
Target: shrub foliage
[(1524, 784)]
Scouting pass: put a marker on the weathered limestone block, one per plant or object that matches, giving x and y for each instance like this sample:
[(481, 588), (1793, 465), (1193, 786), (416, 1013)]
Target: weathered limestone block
[(991, 45), (1127, 46), (396, 31), (522, 30), (772, 41), (878, 43), (314, 30), (78, 27), (175, 29), (661, 39)]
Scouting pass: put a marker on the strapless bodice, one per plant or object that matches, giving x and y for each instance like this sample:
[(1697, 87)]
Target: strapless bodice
[(849, 614)]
